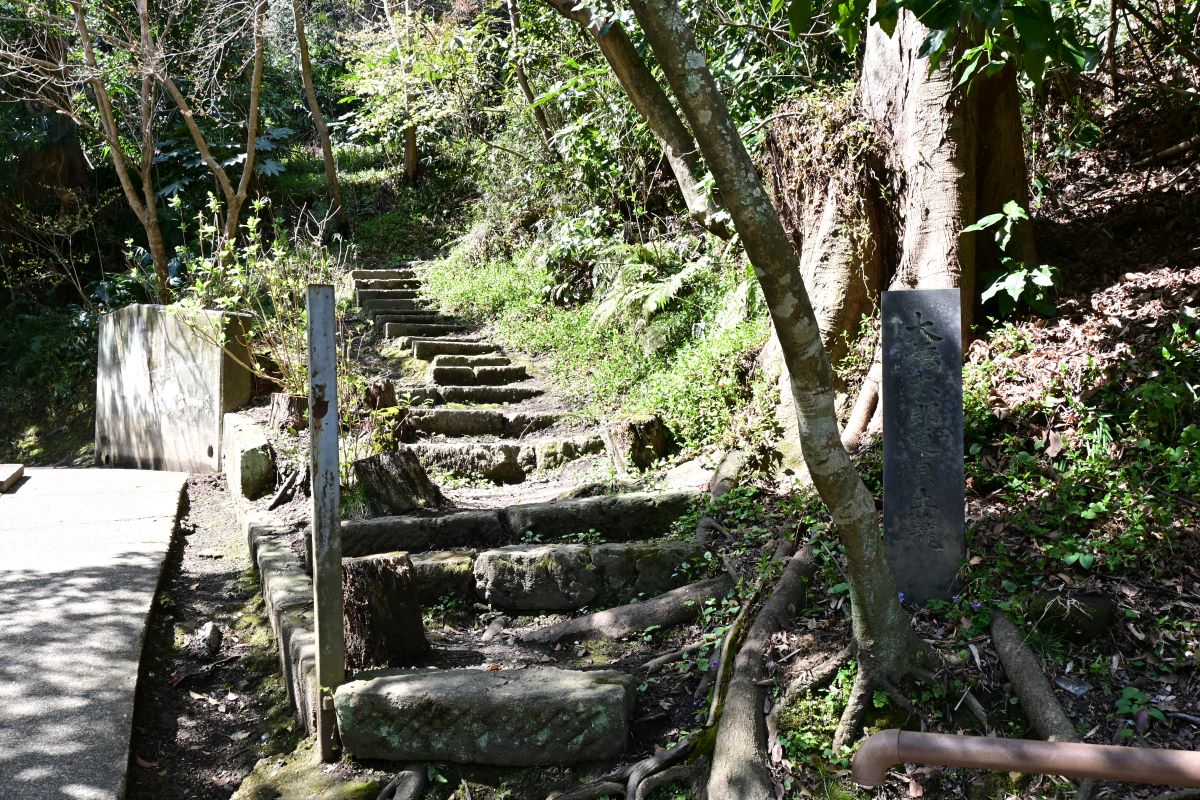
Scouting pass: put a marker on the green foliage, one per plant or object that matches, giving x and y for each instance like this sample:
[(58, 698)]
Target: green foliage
[(1016, 282)]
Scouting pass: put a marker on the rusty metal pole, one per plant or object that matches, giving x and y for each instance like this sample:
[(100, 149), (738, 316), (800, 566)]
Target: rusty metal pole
[(1069, 759), (326, 516)]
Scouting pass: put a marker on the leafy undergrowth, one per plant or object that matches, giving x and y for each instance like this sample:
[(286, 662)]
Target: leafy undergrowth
[(1082, 479)]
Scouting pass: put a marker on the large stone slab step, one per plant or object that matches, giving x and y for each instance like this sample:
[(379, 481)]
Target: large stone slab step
[(427, 349), (565, 577), (387, 283), (471, 361), (386, 306), (394, 330), (637, 516), (504, 461), (387, 294), (382, 274), (479, 422), (487, 394), (477, 376), (528, 717), (423, 316)]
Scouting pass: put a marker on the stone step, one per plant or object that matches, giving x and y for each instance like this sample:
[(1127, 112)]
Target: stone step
[(382, 274), (566, 577), (504, 461), (387, 283), (477, 376), (478, 422), (395, 330), (387, 294), (487, 394), (530, 717), (636, 516), (471, 361), (427, 349), (372, 307), (422, 317)]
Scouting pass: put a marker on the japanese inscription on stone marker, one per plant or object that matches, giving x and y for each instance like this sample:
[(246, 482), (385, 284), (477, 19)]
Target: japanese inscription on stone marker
[(923, 441)]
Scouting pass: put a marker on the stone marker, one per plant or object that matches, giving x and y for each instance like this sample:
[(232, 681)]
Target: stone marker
[(923, 441), (527, 717), (165, 377), (9, 475)]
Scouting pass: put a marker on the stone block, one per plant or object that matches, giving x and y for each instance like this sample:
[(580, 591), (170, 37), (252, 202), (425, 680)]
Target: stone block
[(529, 717), (623, 517), (444, 572), (538, 577), (9, 475), (396, 483), (165, 377), (249, 459), (645, 568)]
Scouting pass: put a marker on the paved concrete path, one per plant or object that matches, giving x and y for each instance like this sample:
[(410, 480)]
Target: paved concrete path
[(81, 551)]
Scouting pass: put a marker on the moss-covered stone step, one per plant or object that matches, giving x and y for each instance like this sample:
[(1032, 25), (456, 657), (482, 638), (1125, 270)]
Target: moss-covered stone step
[(394, 330), (386, 294), (487, 394), (382, 274), (636, 516), (385, 306), (387, 283), (477, 376), (471, 361), (505, 461), (428, 348), (527, 717), (564, 577), (478, 422), (425, 316)]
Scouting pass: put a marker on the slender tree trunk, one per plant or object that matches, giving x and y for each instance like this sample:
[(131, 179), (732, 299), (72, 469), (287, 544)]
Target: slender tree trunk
[(655, 107), (881, 628), (314, 110), (411, 162), (143, 205), (539, 113)]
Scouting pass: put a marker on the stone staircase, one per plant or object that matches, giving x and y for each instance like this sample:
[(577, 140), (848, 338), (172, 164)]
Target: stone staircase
[(514, 544)]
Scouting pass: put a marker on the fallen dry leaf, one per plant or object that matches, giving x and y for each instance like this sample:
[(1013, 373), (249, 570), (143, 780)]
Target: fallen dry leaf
[(143, 763)]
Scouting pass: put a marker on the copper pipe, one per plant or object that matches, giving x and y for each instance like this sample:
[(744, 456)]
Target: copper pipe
[(1070, 759)]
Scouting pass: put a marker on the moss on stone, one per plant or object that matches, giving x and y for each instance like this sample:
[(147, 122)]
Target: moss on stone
[(301, 776)]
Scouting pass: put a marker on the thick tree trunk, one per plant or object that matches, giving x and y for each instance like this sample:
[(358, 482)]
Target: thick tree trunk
[(881, 627), (656, 109), (314, 110), (381, 612)]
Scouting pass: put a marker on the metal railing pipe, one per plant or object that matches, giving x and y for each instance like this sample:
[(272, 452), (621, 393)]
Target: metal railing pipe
[(1069, 759)]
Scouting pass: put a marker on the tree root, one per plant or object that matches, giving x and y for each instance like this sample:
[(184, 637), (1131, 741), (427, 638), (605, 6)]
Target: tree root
[(808, 680), (668, 658), (1040, 704), (863, 410), (667, 609), (407, 785), (676, 774), (856, 708), (739, 761), (591, 791)]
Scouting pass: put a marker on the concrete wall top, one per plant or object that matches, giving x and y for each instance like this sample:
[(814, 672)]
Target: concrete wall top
[(165, 377)]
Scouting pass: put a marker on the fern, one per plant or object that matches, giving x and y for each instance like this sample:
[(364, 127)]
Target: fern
[(632, 291)]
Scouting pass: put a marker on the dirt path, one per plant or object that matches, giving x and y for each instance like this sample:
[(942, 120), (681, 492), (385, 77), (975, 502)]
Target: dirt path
[(201, 722)]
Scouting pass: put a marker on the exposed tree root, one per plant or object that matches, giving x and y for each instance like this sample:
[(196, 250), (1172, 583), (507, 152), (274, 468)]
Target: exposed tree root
[(863, 410), (1041, 706), (667, 609), (668, 658), (813, 678), (591, 791), (408, 784), (676, 774), (657, 762), (739, 761)]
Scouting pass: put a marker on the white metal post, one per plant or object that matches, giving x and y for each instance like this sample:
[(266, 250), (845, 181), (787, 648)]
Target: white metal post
[(326, 517)]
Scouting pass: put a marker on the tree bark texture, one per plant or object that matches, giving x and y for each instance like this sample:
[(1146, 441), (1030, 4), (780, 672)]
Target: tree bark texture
[(937, 158), (514, 49), (881, 627), (314, 110), (655, 107), (381, 612)]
